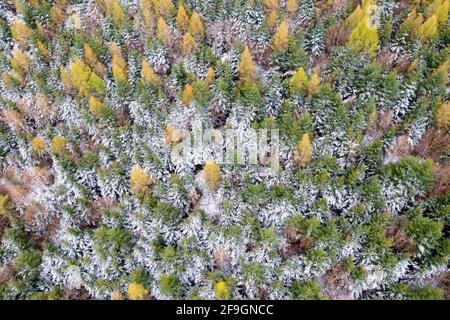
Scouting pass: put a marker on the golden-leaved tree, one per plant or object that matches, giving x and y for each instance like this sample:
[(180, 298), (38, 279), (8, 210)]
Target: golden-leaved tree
[(182, 19), (440, 8), (92, 60), (140, 180), (291, 6), (81, 77), (187, 95), (172, 134), (163, 32), (115, 10), (442, 116), (212, 174), (210, 76), (59, 145), (196, 27), (38, 145), (304, 151), (429, 28), (20, 62), (136, 291), (299, 81), (20, 32), (148, 75), (271, 19), (364, 37), (163, 8), (119, 65), (281, 37), (96, 107), (246, 66), (188, 44), (221, 290)]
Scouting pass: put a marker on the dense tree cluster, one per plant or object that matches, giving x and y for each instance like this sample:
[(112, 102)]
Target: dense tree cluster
[(95, 94)]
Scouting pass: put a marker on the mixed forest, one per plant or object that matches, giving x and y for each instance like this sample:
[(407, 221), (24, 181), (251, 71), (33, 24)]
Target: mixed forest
[(95, 94)]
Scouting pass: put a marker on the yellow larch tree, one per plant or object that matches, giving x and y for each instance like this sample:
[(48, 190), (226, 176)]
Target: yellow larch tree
[(440, 8), (281, 37), (364, 37), (182, 19), (442, 116), (119, 64), (172, 134), (115, 10), (163, 8), (92, 60), (96, 107), (146, 11), (187, 94), (412, 24), (196, 27), (212, 174), (210, 76), (38, 145), (246, 66), (148, 75), (188, 44), (291, 6), (20, 32), (140, 180), (136, 291), (20, 62), (354, 18), (59, 145), (429, 28), (80, 76), (270, 5), (314, 82), (163, 32), (221, 290), (299, 81), (4, 204), (304, 151), (42, 49), (271, 19)]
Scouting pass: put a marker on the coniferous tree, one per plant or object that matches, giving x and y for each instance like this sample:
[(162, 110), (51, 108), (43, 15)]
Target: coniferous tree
[(196, 27), (246, 66), (188, 44), (136, 291), (212, 174), (281, 37), (304, 151), (364, 37), (182, 19)]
